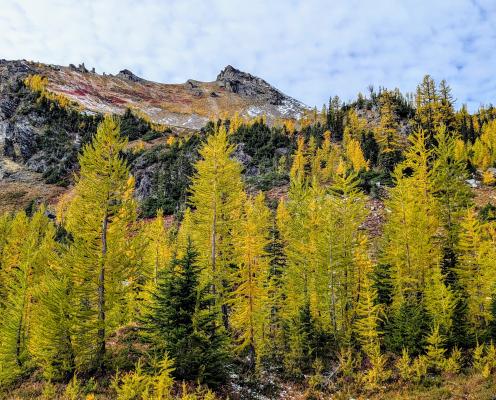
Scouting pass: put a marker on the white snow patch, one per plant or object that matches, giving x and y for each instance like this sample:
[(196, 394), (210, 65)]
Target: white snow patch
[(254, 111), (291, 108)]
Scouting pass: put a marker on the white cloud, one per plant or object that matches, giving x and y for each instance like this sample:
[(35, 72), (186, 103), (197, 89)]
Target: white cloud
[(310, 49)]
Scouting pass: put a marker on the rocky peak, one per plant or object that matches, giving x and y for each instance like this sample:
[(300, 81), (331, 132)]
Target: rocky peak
[(128, 75), (245, 84)]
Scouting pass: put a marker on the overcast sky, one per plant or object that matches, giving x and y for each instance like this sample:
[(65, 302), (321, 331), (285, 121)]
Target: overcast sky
[(310, 49)]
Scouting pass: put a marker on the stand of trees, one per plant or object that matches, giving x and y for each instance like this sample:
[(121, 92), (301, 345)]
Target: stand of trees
[(303, 287)]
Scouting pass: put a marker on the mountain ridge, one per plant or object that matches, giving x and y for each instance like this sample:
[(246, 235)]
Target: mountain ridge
[(42, 132), (187, 105)]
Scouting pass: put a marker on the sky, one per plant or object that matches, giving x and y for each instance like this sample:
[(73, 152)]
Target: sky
[(309, 49)]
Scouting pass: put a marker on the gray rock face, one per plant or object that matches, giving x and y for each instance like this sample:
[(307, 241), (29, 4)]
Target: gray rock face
[(16, 133), (24, 133), (8, 106), (143, 179), (248, 85), (24, 125), (128, 75)]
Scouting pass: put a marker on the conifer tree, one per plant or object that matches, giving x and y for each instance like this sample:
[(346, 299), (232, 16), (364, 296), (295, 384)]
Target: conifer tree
[(250, 307), (5, 227), (217, 197), (25, 252), (319, 230), (475, 271), (355, 127), (100, 218), (185, 233), (355, 156), (410, 244), (427, 104), (335, 118), (158, 247), (435, 349), (484, 148), (367, 317), (367, 309), (182, 323), (449, 176), (387, 131), (446, 109), (409, 232), (293, 224), (51, 343), (275, 292), (344, 212)]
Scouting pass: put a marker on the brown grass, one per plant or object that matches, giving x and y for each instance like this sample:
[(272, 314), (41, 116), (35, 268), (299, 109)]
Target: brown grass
[(16, 196)]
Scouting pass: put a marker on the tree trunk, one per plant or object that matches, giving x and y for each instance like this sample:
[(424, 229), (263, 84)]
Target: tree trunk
[(101, 298), (213, 249)]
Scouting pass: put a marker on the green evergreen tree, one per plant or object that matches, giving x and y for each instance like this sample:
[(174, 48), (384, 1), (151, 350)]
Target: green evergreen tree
[(183, 323), (407, 327)]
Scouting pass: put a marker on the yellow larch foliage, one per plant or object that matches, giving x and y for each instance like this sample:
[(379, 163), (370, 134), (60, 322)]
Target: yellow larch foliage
[(475, 269), (355, 155), (484, 148), (355, 127), (250, 298), (410, 244), (236, 122), (297, 172), (386, 133), (39, 84), (217, 195), (101, 219)]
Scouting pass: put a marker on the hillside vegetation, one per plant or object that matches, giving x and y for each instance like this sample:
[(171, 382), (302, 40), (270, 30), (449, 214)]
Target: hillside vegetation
[(349, 253)]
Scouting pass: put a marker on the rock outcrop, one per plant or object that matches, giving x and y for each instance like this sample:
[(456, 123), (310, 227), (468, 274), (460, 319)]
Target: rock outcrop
[(128, 75), (247, 85)]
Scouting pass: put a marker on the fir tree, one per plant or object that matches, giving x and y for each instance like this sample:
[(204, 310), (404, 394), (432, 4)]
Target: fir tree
[(182, 323)]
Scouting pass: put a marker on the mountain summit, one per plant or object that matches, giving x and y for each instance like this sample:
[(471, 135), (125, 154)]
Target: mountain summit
[(247, 85), (187, 105)]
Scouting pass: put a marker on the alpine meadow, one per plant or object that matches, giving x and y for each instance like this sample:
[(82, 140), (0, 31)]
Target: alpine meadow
[(215, 240)]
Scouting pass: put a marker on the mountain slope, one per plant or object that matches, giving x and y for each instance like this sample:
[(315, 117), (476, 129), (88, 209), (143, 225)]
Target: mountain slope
[(40, 141), (190, 104)]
